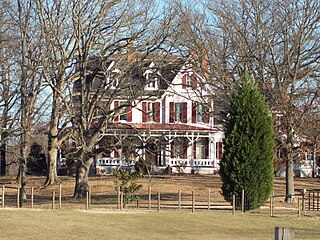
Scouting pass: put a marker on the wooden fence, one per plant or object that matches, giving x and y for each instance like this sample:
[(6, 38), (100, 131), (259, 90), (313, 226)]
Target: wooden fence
[(308, 200)]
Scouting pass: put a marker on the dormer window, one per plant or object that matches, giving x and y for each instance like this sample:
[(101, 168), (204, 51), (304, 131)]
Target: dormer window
[(114, 79), (152, 79), (189, 80)]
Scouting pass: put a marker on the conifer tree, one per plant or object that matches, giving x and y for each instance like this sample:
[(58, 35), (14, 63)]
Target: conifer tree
[(247, 163)]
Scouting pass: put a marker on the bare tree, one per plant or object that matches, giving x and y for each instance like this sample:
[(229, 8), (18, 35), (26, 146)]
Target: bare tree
[(112, 42), (60, 48), (277, 42), (8, 85), (28, 56)]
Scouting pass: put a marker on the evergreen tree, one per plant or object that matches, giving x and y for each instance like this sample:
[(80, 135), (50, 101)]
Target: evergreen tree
[(247, 163)]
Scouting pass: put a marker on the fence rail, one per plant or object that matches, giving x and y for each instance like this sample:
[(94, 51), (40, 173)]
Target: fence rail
[(307, 200)]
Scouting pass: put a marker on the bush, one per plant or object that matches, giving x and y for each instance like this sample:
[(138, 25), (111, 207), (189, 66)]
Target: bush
[(247, 162), (36, 162)]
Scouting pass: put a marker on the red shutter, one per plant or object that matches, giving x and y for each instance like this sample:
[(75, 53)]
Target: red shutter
[(157, 117), (206, 148), (194, 112), (184, 112), (116, 105), (144, 112), (184, 81), (185, 149), (116, 153), (129, 109), (194, 81), (171, 112), (219, 150), (195, 150)]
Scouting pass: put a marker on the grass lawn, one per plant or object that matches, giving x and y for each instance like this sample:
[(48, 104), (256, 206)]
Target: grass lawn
[(171, 224)]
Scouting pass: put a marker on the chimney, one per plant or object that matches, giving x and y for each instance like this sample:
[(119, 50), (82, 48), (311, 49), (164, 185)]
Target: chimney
[(130, 51), (205, 64)]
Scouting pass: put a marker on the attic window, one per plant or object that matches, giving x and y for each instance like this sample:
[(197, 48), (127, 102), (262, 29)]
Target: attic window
[(152, 79)]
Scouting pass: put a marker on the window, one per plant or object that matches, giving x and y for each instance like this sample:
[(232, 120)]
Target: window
[(178, 112), (200, 151), (114, 80), (188, 80), (151, 111), (124, 112), (152, 79), (200, 113), (179, 148)]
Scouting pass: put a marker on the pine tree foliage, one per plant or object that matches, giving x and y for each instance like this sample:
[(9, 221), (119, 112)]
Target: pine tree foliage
[(247, 163)]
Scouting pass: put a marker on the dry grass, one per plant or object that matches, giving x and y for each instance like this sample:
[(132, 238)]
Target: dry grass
[(165, 184), (103, 221), (65, 224)]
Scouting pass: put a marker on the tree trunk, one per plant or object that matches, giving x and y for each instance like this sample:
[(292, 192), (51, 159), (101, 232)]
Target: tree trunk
[(23, 179), (82, 175), (3, 149), (53, 141), (289, 178), (52, 176)]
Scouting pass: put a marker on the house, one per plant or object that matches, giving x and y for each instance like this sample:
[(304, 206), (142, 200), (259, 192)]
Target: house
[(171, 125)]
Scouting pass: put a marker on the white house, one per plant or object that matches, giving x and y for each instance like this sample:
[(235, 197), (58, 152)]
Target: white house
[(173, 129)]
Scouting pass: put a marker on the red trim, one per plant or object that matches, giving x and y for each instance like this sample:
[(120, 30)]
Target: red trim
[(171, 112), (144, 112), (116, 105), (194, 112), (184, 112), (129, 109), (219, 150), (157, 112), (194, 81), (116, 153), (184, 81)]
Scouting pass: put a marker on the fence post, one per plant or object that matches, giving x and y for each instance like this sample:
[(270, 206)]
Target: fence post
[(89, 200), (3, 196), (193, 201), (60, 195), (119, 197), (18, 197), (313, 201), (32, 191), (53, 198), (149, 196), (209, 199), (179, 199), (309, 201), (233, 204), (317, 201), (299, 208), (242, 201), (303, 200), (272, 204), (121, 201), (284, 233), (158, 201)]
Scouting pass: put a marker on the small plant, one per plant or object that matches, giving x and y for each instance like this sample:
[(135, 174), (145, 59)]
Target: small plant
[(127, 182)]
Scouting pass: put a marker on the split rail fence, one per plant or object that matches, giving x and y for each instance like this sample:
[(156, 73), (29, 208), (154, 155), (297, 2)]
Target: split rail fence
[(307, 200)]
